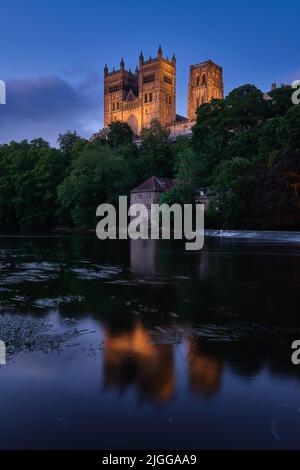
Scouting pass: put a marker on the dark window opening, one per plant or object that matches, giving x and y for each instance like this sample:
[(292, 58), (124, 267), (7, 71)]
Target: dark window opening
[(149, 78), (114, 89)]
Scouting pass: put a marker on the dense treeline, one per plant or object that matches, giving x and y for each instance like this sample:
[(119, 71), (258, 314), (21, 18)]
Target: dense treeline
[(245, 151)]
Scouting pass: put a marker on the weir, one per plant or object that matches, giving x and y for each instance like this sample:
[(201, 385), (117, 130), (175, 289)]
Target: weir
[(276, 236)]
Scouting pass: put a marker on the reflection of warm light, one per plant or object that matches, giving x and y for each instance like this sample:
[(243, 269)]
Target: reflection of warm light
[(135, 342), (130, 357), (204, 372)]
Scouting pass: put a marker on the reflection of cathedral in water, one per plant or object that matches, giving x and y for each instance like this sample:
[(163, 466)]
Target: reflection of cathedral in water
[(143, 256), (205, 372), (131, 358)]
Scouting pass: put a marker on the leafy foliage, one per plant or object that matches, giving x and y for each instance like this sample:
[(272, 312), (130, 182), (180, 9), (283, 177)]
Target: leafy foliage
[(119, 133)]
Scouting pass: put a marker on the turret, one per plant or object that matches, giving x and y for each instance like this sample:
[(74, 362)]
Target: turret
[(122, 65), (141, 59), (173, 59), (105, 71), (160, 52)]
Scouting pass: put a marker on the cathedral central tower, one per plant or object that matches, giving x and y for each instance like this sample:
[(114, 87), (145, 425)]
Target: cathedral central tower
[(205, 84)]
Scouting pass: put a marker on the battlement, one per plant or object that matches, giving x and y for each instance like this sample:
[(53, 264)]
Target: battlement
[(125, 72), (206, 63), (157, 59), (121, 70)]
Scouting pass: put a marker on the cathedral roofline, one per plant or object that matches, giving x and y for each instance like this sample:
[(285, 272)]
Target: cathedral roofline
[(124, 71), (157, 59), (204, 63), (142, 62)]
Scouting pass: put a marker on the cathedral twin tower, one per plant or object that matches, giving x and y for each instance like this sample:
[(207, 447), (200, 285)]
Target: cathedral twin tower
[(150, 92)]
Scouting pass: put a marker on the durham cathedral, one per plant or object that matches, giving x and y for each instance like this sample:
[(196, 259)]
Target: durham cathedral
[(150, 93)]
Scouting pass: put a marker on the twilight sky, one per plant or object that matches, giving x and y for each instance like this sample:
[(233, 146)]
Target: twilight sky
[(53, 52)]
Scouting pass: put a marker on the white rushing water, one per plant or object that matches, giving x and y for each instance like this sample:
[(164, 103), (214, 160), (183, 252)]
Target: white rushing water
[(279, 236)]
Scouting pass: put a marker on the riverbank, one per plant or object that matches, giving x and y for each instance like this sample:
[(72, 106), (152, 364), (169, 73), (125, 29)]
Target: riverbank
[(264, 235)]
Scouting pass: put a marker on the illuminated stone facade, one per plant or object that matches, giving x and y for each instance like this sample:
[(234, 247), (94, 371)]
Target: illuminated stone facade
[(150, 93), (140, 97), (205, 84)]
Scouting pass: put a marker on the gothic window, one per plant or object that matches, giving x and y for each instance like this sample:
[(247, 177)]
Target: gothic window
[(146, 98), (198, 80), (150, 97), (204, 79)]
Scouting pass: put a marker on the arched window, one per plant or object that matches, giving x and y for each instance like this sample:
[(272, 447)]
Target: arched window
[(203, 79), (198, 80)]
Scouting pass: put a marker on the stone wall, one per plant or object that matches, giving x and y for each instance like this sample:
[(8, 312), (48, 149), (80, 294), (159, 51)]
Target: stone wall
[(146, 197)]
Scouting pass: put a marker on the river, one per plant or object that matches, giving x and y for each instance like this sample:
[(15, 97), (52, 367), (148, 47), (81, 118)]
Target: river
[(141, 344)]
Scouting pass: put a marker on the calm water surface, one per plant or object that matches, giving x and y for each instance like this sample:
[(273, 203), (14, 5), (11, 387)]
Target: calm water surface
[(144, 345)]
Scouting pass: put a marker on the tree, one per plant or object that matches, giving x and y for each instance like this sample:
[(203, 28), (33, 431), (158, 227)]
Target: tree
[(40, 143), (30, 174), (180, 194), (100, 174), (233, 183), (69, 140), (156, 158), (281, 101), (276, 202), (119, 133), (245, 107), (268, 142), (289, 129)]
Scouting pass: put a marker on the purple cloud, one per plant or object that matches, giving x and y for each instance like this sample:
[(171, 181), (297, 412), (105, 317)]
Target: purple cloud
[(46, 106)]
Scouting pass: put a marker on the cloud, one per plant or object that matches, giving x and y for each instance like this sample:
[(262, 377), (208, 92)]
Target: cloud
[(46, 106)]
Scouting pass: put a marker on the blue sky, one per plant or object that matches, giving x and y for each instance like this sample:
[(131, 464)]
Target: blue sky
[(53, 52)]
